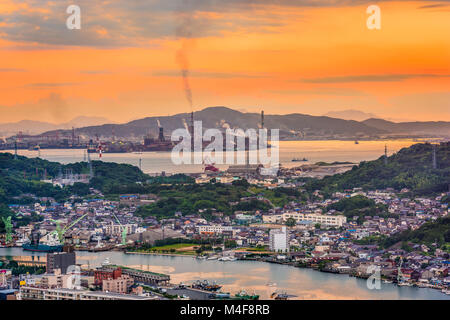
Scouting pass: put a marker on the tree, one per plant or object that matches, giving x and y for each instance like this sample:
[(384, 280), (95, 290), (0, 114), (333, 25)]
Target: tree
[(230, 244), (290, 222), (241, 183)]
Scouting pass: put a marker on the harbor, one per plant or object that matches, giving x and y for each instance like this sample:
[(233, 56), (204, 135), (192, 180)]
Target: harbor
[(256, 277)]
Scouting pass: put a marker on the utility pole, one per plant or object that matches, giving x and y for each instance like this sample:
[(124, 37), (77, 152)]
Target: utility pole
[(15, 148), (385, 155), (434, 157), (91, 171)]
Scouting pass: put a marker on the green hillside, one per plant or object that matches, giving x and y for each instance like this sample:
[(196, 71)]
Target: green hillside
[(410, 168), (23, 176), (437, 232)]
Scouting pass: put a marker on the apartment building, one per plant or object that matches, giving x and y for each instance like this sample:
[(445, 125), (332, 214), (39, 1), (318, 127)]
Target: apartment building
[(121, 284), (61, 261), (213, 229), (326, 220), (279, 240)]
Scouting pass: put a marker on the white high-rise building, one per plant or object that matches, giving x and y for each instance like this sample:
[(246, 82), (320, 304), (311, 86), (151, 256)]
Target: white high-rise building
[(279, 240)]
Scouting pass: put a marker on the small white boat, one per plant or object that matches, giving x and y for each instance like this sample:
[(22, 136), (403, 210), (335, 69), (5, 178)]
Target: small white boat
[(227, 259), (212, 258), (21, 242), (405, 284)]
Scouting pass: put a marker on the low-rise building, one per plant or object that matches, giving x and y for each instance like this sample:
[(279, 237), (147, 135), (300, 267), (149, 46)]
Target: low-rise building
[(326, 220), (37, 293)]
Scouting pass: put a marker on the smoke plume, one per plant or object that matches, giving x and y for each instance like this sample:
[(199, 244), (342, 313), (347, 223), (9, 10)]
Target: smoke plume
[(183, 62), (185, 34)]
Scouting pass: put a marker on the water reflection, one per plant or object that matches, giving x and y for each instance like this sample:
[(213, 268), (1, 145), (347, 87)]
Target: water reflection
[(250, 275)]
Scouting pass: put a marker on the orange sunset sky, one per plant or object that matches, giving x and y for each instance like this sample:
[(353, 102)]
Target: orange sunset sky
[(285, 56)]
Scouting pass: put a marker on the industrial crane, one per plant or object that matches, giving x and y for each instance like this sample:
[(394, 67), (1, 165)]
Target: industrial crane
[(60, 232), (124, 231)]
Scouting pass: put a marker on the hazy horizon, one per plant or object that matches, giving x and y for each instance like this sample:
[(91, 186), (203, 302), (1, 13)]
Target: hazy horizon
[(105, 120)]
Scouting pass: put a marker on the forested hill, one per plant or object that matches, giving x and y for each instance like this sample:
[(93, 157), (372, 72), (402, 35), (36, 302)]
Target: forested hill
[(410, 168), (437, 232), (23, 175)]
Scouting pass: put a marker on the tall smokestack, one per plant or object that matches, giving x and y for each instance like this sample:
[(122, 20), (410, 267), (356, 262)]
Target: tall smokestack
[(262, 119), (161, 134), (191, 130)]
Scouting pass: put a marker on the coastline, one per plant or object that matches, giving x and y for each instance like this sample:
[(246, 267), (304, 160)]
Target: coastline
[(161, 254), (292, 264), (313, 284)]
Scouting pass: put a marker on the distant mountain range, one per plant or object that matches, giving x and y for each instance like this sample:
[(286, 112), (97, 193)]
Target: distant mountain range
[(37, 127), (350, 115), (222, 117), (419, 127), (292, 126)]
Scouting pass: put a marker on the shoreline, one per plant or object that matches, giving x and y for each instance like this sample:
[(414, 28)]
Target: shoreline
[(161, 254), (437, 291), (291, 264)]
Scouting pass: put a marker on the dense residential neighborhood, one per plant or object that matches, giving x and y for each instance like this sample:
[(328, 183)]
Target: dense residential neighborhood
[(392, 235), (313, 236)]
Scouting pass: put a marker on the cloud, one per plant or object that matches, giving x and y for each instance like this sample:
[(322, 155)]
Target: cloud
[(47, 85), (127, 23), (373, 78), (95, 72), (209, 74), (432, 6), (12, 70)]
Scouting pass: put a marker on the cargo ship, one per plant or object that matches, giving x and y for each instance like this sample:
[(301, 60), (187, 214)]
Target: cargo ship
[(42, 248), (34, 245)]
